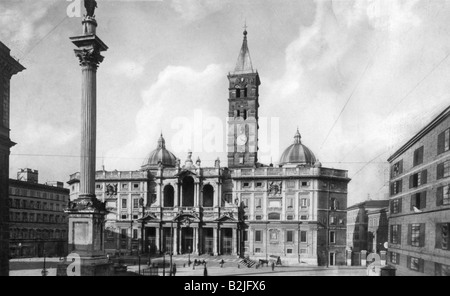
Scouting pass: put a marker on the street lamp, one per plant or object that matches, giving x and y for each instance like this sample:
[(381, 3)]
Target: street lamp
[(44, 271), (20, 249), (189, 255), (141, 201), (171, 246)]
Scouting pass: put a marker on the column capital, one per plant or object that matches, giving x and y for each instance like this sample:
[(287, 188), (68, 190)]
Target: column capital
[(89, 57)]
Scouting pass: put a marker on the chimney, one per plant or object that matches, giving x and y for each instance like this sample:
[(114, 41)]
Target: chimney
[(28, 175)]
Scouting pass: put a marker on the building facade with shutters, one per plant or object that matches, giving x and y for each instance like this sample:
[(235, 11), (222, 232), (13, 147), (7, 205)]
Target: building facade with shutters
[(295, 210), (9, 66), (38, 225), (419, 210), (365, 225)]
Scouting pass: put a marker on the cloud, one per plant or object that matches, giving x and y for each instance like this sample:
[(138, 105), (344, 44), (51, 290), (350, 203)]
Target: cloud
[(162, 112), (130, 69), (192, 10), (366, 55), (21, 24)]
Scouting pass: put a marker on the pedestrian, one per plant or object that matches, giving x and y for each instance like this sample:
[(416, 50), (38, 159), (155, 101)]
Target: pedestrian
[(205, 271), (273, 266), (174, 269), (221, 263)]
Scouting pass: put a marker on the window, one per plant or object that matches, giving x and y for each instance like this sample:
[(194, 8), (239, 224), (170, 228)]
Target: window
[(443, 141), (418, 179), (245, 201), (274, 216), (290, 217), (123, 233), (416, 235), (332, 237), (396, 234), (289, 251), (258, 203), (135, 217), (418, 156), (304, 217), (257, 235), (135, 233), (418, 200), (124, 186), (397, 169), (395, 258), (290, 203), (290, 184), (124, 216), (98, 186), (332, 220), (246, 184), (334, 205), (443, 170), (136, 203), (441, 269), (305, 184), (303, 237), (289, 236), (443, 195), (258, 217), (304, 202), (259, 184), (124, 203), (396, 206), (396, 187), (245, 235), (442, 236), (257, 250), (415, 263), (136, 186)]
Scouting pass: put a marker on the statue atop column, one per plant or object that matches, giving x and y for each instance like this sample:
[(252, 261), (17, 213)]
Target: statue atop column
[(90, 6)]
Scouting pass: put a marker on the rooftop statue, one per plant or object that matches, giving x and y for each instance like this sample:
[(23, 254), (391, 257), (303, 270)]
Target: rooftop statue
[(90, 6)]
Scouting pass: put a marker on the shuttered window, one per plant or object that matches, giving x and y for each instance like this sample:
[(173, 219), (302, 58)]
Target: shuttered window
[(444, 141), (415, 263), (416, 235), (396, 187), (442, 236), (418, 200), (418, 156), (418, 179), (396, 206), (396, 234), (443, 170), (397, 169), (443, 195)]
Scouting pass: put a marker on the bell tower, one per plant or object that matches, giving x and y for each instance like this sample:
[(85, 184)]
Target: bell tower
[(242, 142)]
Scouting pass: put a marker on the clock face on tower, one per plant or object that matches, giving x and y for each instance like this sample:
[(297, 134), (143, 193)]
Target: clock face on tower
[(241, 140)]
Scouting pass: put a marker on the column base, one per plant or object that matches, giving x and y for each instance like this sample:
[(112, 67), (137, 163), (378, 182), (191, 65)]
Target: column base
[(86, 266)]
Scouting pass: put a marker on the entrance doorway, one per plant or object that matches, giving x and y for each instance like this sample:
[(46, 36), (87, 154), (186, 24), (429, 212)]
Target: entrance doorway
[(150, 244), (227, 241), (208, 235), (332, 259), (187, 240)]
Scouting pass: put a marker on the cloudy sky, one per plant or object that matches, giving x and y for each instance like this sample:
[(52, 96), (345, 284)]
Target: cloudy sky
[(358, 78)]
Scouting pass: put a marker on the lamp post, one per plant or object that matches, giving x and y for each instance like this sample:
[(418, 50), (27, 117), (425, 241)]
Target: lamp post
[(20, 249), (189, 255), (171, 246), (141, 201), (131, 236), (44, 271)]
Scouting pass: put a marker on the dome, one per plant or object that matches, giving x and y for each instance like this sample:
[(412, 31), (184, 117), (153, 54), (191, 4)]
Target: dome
[(297, 153), (161, 156)]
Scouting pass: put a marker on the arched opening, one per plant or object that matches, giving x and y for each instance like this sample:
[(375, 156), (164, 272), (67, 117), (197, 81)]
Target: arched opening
[(208, 196), (168, 196), (188, 192)]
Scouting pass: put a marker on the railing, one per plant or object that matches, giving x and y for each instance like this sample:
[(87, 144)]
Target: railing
[(299, 171)]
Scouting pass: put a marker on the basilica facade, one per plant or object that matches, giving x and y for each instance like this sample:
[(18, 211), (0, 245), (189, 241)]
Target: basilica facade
[(295, 210)]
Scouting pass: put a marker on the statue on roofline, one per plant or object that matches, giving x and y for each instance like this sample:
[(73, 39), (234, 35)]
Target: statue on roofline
[(90, 6)]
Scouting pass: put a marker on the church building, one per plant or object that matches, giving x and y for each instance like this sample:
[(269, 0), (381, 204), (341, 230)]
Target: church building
[(295, 210)]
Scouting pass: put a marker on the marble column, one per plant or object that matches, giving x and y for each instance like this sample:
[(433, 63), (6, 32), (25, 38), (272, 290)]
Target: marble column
[(234, 241), (215, 242), (158, 239), (175, 240), (86, 213)]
